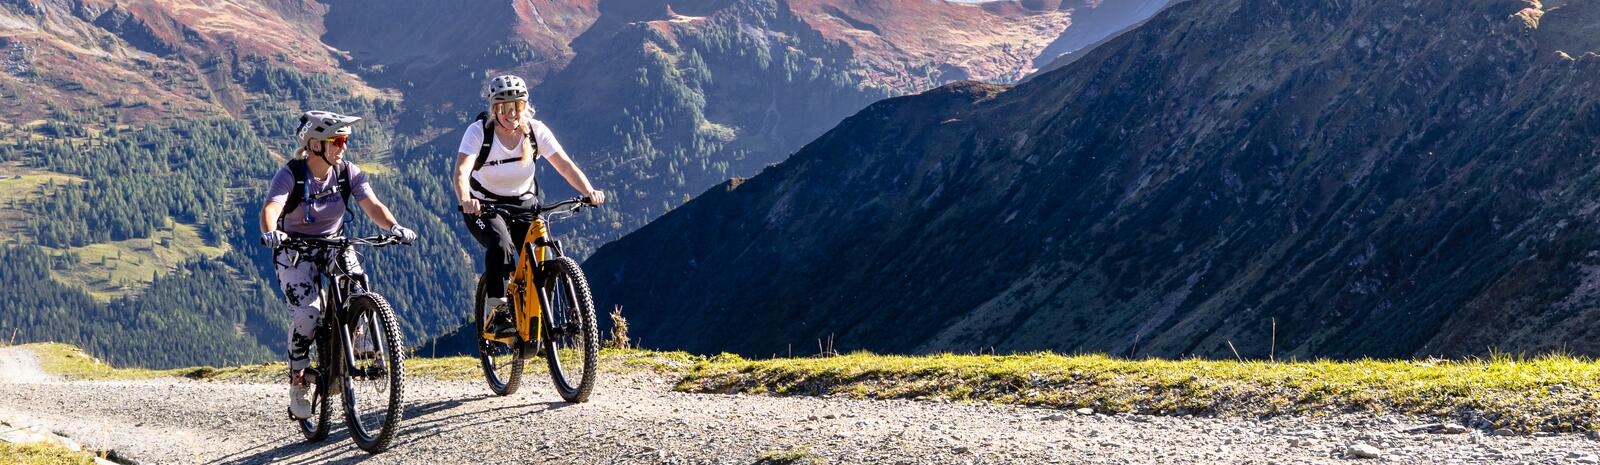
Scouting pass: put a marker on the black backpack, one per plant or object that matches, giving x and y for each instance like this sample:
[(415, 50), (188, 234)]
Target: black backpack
[(302, 174), (483, 155)]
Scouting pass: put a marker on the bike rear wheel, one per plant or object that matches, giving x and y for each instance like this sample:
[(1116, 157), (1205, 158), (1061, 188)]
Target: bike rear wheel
[(502, 363), (315, 427), (374, 386), (572, 342)]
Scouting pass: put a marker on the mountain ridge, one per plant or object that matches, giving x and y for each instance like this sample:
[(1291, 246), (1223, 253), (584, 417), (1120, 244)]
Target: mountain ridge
[(1258, 176)]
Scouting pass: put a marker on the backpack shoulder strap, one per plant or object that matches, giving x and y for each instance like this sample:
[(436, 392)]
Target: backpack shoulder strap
[(344, 182), (301, 171), (488, 139), (533, 141)]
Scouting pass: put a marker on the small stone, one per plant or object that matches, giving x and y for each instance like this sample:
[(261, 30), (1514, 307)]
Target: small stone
[(1363, 450), (1452, 428), (1055, 417), (962, 449), (1086, 411), (1503, 432), (1556, 388)]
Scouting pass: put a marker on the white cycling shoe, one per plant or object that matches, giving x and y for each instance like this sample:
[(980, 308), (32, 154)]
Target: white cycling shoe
[(300, 401)]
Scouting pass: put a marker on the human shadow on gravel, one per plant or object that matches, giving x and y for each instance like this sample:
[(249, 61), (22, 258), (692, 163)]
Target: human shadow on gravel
[(294, 449), (433, 427)]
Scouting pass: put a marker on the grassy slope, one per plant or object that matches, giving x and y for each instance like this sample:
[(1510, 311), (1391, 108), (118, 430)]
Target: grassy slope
[(19, 185), (105, 270), (113, 269), (1552, 393)]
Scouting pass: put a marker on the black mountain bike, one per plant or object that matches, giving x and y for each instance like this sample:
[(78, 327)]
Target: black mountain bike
[(550, 305), (370, 381)]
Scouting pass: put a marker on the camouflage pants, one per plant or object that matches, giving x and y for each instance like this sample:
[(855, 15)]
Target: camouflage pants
[(298, 279)]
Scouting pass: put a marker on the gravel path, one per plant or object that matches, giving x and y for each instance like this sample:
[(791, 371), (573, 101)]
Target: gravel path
[(638, 419), (21, 366)]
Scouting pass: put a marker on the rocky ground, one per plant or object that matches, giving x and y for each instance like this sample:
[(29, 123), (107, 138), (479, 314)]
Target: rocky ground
[(639, 419)]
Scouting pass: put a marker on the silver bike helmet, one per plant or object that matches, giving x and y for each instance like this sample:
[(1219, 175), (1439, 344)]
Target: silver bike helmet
[(507, 88), (315, 125)]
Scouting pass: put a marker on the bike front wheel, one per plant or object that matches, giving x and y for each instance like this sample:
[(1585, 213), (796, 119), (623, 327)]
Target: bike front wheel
[(374, 384), (572, 342)]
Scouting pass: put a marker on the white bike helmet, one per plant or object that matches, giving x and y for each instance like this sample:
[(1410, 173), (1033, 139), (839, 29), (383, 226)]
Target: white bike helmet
[(507, 88), (315, 125)]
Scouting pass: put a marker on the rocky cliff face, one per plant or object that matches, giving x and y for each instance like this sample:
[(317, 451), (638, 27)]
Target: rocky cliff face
[(1359, 178)]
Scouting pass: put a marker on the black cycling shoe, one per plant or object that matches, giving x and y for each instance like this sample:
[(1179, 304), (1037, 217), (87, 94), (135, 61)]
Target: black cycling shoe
[(500, 324)]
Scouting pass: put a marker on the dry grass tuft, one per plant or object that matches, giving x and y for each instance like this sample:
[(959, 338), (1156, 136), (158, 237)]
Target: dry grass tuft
[(619, 330)]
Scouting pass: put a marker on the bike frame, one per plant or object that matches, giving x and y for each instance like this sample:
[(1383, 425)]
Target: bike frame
[(527, 286), (337, 287)]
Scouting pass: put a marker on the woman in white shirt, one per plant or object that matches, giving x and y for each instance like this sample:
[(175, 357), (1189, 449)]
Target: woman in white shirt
[(506, 176)]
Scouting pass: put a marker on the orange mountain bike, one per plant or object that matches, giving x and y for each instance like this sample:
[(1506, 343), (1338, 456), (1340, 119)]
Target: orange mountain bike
[(550, 305)]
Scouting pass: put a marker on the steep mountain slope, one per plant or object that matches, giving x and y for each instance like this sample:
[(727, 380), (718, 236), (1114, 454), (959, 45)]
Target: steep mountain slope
[(153, 60), (439, 53), (1357, 178), (667, 100)]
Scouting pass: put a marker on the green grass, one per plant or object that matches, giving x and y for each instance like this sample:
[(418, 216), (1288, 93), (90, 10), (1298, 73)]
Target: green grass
[(1514, 393), (30, 186), (16, 193), (615, 361), (41, 454), (72, 363)]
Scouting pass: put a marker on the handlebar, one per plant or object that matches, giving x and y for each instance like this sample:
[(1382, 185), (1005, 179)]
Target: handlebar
[(374, 241), (572, 205)]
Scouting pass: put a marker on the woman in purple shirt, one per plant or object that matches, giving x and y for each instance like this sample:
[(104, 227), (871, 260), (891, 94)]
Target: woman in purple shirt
[(318, 210)]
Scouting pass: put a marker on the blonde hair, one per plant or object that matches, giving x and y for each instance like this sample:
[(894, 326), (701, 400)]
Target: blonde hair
[(304, 151), (526, 124)]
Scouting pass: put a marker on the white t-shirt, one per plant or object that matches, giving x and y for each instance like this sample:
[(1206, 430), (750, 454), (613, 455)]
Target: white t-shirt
[(509, 179)]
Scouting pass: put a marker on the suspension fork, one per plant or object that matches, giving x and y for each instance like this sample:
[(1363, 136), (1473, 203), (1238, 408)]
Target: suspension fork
[(527, 281)]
